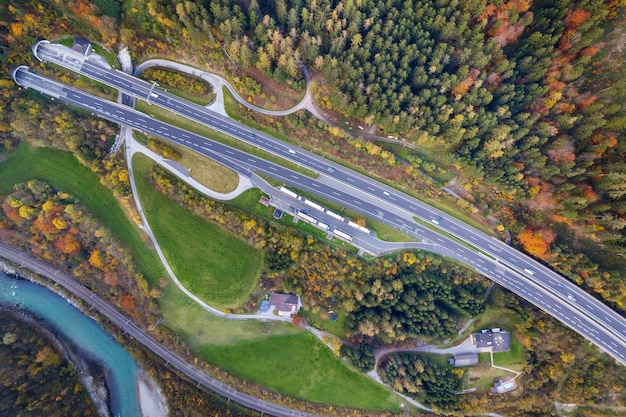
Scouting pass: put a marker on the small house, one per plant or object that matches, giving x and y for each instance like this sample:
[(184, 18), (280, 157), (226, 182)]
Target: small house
[(285, 304)]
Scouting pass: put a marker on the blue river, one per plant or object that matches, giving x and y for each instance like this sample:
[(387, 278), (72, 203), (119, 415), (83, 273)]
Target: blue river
[(85, 333)]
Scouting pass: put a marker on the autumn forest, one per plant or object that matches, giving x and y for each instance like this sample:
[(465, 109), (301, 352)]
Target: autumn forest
[(509, 114)]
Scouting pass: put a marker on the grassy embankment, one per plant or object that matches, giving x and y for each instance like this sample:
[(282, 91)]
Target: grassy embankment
[(201, 100), (64, 172), (307, 370), (250, 349), (206, 171), (216, 266)]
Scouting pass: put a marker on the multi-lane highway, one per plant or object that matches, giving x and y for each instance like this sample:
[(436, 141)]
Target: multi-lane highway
[(127, 325), (504, 254), (602, 326)]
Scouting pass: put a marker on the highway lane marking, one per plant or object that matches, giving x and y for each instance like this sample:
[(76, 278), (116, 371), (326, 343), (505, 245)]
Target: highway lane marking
[(195, 144), (294, 177), (188, 142), (273, 168), (337, 194), (350, 179), (315, 185), (474, 239), (229, 151), (453, 228), (251, 160)]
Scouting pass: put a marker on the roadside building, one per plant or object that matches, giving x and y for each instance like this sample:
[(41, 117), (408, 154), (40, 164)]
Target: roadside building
[(464, 359), (82, 46), (285, 304)]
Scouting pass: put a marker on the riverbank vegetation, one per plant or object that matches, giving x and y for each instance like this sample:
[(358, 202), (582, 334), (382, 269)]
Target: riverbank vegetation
[(36, 377), (53, 225), (63, 171)]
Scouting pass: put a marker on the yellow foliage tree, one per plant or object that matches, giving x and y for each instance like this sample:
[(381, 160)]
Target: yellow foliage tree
[(59, 223), (27, 212), (95, 259)]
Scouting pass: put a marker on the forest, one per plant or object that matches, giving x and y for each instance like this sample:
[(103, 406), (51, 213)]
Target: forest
[(37, 378), (53, 226), (522, 101), (414, 374)]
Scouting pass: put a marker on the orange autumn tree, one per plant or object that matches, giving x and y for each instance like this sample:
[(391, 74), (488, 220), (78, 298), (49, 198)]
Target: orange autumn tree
[(536, 243)]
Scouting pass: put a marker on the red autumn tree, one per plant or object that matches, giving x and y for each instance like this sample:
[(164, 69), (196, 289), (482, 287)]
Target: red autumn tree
[(536, 243)]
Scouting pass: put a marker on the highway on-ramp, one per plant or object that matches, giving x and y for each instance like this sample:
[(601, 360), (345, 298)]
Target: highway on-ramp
[(544, 297)]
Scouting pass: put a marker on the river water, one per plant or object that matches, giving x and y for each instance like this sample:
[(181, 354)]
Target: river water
[(93, 342)]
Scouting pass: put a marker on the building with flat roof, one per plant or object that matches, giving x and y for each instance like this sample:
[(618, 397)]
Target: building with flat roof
[(499, 341), (464, 359)]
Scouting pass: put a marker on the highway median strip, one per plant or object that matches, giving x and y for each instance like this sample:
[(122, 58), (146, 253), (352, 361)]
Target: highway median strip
[(208, 132), (452, 237)]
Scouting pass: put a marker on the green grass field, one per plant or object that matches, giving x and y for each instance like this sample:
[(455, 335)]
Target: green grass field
[(512, 359), (213, 264), (64, 172), (199, 328), (299, 366)]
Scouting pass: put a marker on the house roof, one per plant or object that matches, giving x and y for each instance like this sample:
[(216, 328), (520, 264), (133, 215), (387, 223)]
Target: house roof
[(498, 342), (285, 302)]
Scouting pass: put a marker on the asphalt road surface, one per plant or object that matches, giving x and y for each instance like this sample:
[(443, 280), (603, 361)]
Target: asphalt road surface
[(124, 323), (488, 255)]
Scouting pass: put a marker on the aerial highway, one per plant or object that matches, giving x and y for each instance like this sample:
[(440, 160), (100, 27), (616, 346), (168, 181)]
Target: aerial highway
[(124, 323), (545, 297), (343, 177)]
